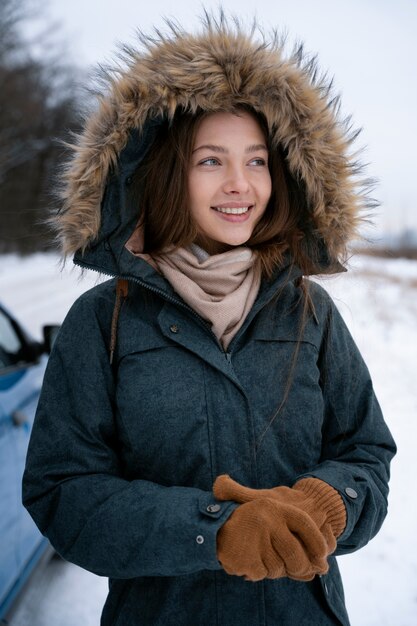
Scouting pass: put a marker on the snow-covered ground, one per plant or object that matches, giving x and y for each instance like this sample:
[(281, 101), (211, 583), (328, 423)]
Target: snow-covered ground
[(378, 299)]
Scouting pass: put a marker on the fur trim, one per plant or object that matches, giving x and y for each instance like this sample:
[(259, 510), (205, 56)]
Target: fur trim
[(215, 70)]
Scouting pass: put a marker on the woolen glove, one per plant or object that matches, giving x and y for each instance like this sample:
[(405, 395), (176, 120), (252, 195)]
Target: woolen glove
[(305, 523), (266, 538), (313, 496)]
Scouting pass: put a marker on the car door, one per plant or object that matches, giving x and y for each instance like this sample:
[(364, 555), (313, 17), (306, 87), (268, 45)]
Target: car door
[(20, 382)]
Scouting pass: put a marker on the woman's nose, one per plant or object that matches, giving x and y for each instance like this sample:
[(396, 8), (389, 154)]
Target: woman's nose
[(236, 181)]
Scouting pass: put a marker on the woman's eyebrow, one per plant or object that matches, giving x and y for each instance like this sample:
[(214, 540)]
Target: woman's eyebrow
[(256, 147), (214, 148)]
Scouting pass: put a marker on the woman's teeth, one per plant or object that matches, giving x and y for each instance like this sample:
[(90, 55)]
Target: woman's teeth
[(236, 211)]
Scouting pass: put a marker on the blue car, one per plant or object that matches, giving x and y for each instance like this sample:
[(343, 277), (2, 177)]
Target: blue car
[(22, 366)]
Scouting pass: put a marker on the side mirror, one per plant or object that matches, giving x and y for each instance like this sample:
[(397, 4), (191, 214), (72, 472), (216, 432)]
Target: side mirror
[(50, 333)]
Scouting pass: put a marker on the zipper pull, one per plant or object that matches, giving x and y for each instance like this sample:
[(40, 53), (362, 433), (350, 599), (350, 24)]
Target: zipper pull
[(228, 357)]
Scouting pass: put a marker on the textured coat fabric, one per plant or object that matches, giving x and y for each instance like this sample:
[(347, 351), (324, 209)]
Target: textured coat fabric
[(123, 456), (121, 462)]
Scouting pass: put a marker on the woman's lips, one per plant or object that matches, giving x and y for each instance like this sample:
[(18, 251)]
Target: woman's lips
[(232, 212)]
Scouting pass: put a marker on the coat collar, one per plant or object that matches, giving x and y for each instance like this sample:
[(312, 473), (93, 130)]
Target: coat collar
[(128, 266), (137, 270)]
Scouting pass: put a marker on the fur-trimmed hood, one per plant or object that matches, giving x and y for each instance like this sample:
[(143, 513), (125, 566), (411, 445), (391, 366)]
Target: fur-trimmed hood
[(219, 68)]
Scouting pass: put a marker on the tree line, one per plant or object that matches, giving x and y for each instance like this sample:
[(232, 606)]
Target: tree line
[(38, 108)]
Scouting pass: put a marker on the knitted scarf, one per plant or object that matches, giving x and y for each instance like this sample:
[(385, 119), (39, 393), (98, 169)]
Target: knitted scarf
[(221, 288)]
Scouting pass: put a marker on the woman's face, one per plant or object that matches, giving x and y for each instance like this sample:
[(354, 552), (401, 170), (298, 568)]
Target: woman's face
[(229, 183)]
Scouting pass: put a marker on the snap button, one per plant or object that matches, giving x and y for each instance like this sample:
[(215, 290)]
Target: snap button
[(351, 493), (199, 539), (174, 328), (213, 508)]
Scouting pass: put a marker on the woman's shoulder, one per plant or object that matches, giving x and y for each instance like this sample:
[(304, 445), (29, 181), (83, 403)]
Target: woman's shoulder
[(96, 297), (326, 311), (95, 305), (319, 298), (323, 311), (318, 291)]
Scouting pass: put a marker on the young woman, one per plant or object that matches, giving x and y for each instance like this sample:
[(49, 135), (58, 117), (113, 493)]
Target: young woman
[(207, 435)]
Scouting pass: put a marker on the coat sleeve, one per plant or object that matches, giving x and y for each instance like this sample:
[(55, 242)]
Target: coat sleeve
[(73, 484), (357, 446)]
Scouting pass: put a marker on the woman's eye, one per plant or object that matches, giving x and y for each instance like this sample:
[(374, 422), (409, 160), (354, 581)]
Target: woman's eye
[(259, 161), (210, 161)]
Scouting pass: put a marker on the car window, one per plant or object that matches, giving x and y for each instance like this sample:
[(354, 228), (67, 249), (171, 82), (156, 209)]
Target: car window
[(10, 343)]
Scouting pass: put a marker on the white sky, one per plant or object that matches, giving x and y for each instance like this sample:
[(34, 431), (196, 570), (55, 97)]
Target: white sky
[(370, 46)]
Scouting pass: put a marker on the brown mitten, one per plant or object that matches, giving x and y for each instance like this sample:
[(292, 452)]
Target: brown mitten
[(313, 496), (267, 539)]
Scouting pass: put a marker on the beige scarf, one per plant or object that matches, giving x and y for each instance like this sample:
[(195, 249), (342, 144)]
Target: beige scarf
[(221, 288)]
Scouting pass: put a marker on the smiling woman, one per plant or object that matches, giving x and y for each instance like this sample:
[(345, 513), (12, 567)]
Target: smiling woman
[(204, 162), (229, 183), (214, 177)]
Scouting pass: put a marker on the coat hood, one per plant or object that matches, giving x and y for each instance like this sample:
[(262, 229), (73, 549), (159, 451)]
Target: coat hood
[(216, 69)]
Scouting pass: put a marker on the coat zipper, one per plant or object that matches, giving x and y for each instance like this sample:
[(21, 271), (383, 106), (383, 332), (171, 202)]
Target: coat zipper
[(227, 355), (165, 296)]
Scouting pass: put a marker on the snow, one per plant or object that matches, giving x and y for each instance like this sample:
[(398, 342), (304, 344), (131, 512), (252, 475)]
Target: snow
[(378, 300), (61, 594)]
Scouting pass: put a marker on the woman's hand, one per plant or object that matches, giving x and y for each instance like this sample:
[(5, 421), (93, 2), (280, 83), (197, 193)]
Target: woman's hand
[(281, 531)]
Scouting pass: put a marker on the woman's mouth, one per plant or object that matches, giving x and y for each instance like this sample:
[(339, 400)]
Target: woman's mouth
[(233, 211), (234, 214)]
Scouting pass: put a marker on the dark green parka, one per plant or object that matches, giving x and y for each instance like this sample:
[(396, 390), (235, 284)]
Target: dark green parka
[(123, 455)]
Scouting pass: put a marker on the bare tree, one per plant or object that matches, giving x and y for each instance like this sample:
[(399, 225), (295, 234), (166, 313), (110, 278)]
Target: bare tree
[(37, 105)]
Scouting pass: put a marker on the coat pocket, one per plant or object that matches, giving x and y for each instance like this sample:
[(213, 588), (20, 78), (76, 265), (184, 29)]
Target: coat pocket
[(286, 398), (161, 411)]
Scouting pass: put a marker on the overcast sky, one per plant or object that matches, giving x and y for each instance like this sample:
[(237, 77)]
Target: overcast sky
[(370, 46)]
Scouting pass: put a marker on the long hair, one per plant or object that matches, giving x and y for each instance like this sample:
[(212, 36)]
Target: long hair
[(160, 187), (161, 190)]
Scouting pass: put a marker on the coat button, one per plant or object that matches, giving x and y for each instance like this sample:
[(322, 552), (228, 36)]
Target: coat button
[(174, 328), (199, 539), (351, 493), (213, 508)]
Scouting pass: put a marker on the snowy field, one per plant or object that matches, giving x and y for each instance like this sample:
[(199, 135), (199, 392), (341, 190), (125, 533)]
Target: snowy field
[(378, 299)]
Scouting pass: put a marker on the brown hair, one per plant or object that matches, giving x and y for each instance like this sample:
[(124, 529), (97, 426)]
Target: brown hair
[(160, 186), (161, 189)]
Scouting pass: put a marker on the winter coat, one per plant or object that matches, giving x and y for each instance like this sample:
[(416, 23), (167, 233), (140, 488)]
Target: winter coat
[(123, 455)]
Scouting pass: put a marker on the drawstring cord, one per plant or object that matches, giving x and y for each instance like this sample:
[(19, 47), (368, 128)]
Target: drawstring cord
[(122, 288)]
